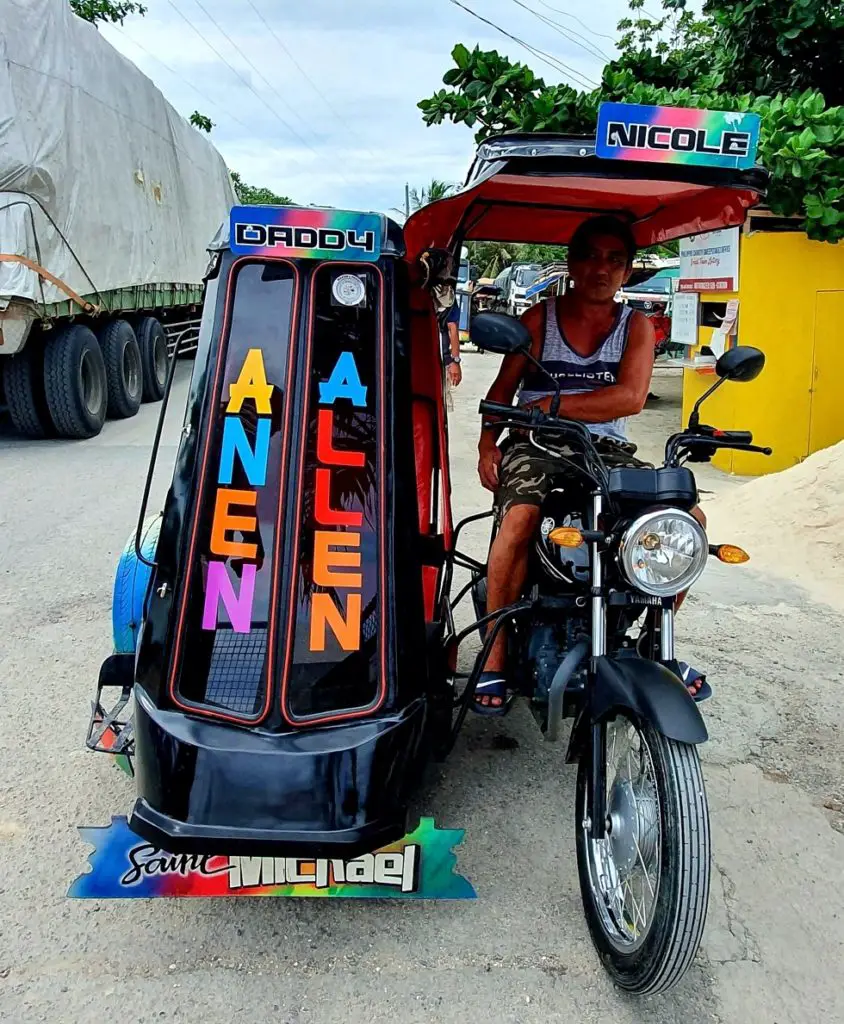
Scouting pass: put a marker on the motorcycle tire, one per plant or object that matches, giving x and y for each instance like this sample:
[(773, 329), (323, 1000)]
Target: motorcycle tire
[(658, 959)]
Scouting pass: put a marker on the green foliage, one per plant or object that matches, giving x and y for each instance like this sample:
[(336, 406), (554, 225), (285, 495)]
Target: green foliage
[(492, 257), (114, 11), (741, 55), (249, 195), (419, 197), (200, 121)]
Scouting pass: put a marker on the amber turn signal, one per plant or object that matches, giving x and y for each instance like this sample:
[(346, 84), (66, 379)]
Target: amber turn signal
[(731, 554), (566, 537)]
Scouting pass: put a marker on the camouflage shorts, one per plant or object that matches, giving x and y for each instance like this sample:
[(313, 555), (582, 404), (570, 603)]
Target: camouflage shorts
[(525, 473)]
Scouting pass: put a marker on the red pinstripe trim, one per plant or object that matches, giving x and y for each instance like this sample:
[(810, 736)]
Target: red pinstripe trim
[(382, 506), (201, 709)]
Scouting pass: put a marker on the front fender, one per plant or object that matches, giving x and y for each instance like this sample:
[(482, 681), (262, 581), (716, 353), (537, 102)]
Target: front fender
[(649, 690)]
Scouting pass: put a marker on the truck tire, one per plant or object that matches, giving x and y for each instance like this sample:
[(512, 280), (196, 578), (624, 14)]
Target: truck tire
[(122, 358), (23, 384), (152, 342), (75, 382)]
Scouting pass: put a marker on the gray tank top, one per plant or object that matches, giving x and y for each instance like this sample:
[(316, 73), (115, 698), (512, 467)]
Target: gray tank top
[(575, 373)]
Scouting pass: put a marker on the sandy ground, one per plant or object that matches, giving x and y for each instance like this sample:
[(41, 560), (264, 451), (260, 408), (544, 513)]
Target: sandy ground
[(774, 941)]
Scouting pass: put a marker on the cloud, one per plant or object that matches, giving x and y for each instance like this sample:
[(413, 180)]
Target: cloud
[(352, 135)]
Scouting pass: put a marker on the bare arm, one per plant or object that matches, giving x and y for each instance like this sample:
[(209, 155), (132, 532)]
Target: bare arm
[(628, 396), (454, 340), (512, 370), (503, 390)]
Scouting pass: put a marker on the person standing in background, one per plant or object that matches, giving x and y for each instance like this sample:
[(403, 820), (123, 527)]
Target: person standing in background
[(451, 346)]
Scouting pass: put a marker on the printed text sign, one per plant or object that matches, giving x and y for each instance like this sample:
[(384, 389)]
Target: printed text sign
[(420, 866), (302, 233), (708, 138)]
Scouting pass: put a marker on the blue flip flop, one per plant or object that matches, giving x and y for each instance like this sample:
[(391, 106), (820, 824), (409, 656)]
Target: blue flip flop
[(491, 684), (690, 676)]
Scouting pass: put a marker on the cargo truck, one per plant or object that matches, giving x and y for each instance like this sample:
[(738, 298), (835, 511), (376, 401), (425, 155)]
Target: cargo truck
[(108, 201)]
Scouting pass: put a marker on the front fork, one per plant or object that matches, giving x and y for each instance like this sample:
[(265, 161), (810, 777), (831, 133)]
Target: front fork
[(596, 811)]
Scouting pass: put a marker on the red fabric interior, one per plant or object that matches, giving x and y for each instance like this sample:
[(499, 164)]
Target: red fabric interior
[(429, 440), (513, 208)]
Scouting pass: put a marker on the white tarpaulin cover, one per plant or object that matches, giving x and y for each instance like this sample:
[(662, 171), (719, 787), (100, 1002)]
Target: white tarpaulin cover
[(136, 190)]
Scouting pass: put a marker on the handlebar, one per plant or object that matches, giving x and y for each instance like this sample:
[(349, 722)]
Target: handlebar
[(512, 412), (727, 437)]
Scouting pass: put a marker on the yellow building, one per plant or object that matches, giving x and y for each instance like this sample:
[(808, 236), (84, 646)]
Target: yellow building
[(791, 306)]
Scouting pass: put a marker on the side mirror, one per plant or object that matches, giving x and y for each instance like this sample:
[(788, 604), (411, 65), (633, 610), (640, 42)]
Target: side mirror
[(741, 363), (496, 332)]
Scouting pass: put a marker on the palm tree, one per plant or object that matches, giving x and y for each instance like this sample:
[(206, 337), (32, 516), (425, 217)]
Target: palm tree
[(419, 197)]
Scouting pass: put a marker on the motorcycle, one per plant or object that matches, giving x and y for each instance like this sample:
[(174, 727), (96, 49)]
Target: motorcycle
[(615, 546)]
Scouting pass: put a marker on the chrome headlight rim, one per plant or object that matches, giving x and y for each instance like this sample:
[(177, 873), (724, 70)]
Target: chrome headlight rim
[(683, 582)]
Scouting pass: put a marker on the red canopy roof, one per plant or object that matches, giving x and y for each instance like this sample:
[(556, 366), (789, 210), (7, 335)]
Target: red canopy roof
[(544, 200)]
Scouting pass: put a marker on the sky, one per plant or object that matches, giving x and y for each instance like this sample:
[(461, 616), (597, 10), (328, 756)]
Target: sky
[(316, 99)]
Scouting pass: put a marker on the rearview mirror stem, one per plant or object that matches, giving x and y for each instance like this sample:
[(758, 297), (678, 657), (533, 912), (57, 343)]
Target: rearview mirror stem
[(694, 419), (555, 401)]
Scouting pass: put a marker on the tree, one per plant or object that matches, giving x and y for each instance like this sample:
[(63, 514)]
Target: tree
[(419, 197), (249, 195), (492, 257), (200, 121), (114, 11), (685, 61)]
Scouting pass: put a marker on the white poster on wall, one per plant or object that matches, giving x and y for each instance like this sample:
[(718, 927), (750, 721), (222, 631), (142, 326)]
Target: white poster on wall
[(710, 262), (684, 319)]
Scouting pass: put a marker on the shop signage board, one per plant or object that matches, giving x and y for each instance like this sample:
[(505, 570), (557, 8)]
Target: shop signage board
[(709, 262)]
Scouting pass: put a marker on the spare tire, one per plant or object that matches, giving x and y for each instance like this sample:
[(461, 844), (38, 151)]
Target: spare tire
[(75, 382), (23, 382), (131, 583), (152, 342), (122, 358)]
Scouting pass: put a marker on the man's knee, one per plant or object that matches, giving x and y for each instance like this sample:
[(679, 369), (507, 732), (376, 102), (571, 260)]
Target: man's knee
[(697, 512), (519, 523)]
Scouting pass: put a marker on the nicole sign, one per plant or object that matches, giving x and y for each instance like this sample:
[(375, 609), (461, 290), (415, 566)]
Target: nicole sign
[(708, 138)]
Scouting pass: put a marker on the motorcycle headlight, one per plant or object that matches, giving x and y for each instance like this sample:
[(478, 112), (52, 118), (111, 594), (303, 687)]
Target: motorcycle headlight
[(663, 553)]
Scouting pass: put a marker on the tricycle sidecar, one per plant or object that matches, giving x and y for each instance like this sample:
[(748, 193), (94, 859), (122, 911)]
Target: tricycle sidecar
[(282, 685)]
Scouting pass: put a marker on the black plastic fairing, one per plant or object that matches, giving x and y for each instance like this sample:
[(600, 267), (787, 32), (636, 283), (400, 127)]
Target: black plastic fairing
[(647, 689)]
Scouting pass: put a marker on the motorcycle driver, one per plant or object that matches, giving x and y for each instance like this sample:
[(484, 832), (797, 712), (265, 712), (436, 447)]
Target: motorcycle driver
[(602, 353)]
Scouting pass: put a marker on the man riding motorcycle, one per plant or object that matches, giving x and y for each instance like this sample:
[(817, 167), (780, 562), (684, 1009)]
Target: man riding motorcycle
[(601, 353)]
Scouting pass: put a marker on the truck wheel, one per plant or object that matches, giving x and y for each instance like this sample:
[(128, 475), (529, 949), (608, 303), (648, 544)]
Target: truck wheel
[(75, 382), (122, 358), (23, 383), (152, 342)]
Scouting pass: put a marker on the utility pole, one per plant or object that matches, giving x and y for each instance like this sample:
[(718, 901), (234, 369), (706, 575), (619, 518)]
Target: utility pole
[(406, 201)]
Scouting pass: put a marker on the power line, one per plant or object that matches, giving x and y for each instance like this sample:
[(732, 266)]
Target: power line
[(181, 78), (234, 70), (269, 84), (337, 116), (592, 50), (558, 10), (546, 58)]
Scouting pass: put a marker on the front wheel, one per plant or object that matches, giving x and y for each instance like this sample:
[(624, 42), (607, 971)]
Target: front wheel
[(645, 886)]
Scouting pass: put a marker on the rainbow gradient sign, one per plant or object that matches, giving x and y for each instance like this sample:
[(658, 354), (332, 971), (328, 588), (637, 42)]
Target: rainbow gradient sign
[(708, 138), (421, 866), (304, 233)]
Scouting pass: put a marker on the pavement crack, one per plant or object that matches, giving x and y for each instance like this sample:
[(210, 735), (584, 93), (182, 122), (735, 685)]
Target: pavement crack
[(740, 932)]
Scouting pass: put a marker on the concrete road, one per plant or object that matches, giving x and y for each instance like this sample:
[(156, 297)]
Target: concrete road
[(774, 942)]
